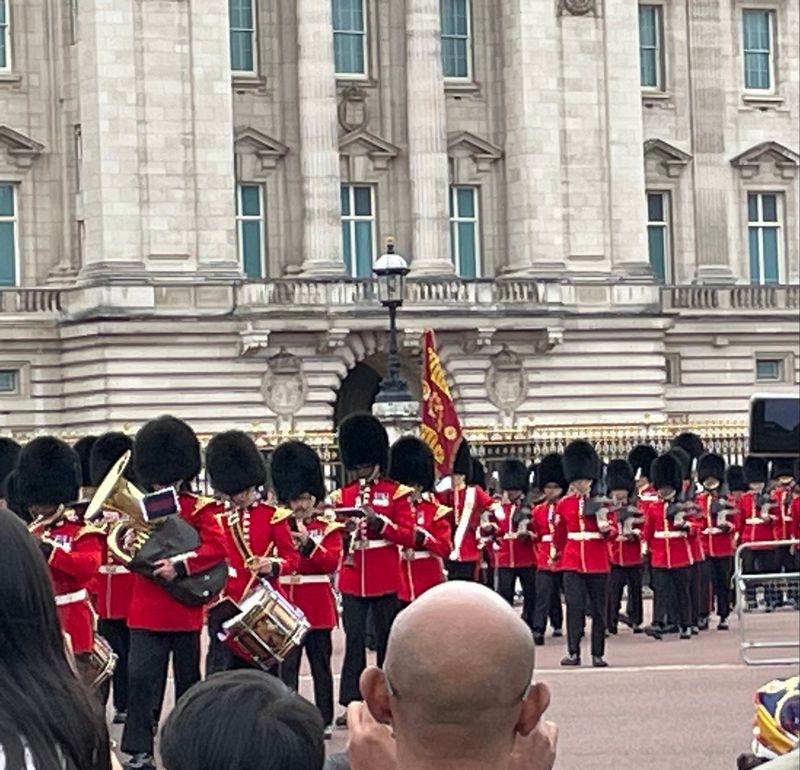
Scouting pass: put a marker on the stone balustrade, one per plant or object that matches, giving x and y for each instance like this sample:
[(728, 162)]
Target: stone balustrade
[(733, 298), (17, 300)]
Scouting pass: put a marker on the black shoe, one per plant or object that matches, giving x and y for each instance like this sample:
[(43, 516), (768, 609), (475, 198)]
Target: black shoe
[(654, 632), (571, 660), (625, 620), (695, 630), (538, 640), (723, 624), (686, 634), (327, 733), (341, 721), (141, 761), (557, 632), (670, 630), (638, 630), (613, 630), (599, 662), (702, 624), (119, 717)]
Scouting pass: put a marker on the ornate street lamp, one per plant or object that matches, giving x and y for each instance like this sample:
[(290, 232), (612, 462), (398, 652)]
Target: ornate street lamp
[(391, 271)]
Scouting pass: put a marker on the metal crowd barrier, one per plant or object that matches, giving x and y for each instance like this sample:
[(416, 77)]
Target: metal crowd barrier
[(762, 595)]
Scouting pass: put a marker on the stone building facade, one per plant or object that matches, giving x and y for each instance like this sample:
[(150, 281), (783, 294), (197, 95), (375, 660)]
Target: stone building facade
[(598, 200)]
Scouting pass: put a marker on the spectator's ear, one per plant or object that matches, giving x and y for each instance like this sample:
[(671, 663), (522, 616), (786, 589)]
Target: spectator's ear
[(375, 692), (534, 705)]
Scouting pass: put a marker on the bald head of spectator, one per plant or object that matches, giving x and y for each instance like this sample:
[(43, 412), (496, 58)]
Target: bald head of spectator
[(457, 680)]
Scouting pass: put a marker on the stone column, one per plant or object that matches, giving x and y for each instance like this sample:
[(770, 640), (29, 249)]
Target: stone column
[(710, 167), (627, 210), (533, 137), (319, 144), (428, 165), (111, 183)]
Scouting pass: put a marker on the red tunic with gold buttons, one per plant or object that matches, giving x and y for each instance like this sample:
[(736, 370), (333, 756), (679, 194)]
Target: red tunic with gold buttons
[(309, 586), (583, 547), (543, 526), (422, 568), (753, 527), (151, 607), (113, 587), (717, 542), (510, 551), (259, 531), (669, 545), (375, 567), (77, 552), (473, 502), (627, 551), (781, 510)]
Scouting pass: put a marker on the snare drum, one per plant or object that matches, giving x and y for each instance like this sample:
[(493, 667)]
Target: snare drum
[(266, 629), (100, 663)]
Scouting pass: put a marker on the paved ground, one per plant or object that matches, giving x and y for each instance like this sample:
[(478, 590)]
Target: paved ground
[(664, 705)]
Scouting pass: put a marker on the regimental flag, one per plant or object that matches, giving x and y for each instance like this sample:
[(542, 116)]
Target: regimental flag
[(441, 429)]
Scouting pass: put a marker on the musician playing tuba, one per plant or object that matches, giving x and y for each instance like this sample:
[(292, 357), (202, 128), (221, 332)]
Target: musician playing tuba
[(258, 541), (48, 478)]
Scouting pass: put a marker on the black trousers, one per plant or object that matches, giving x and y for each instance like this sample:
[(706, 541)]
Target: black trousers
[(147, 666), (695, 594), (673, 596), (717, 572), (354, 619), (319, 650), (548, 601), (632, 578), (462, 570), (758, 563), (505, 582), (116, 633), (578, 586), (219, 656)]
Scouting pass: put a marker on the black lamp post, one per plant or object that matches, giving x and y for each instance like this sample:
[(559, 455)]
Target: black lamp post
[(391, 271)]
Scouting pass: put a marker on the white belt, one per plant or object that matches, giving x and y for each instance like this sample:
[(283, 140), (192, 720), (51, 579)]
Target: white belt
[(714, 531), (112, 569), (668, 535), (584, 536), (417, 555), (756, 520), (296, 580), (547, 539), (73, 598), (367, 545)]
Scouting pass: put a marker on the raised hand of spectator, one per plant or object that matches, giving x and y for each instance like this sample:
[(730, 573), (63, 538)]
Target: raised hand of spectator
[(537, 750), (370, 744)]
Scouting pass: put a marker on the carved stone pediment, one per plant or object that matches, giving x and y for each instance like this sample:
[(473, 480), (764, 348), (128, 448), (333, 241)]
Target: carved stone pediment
[(21, 149), (284, 386), (672, 159), (268, 150), (362, 142), (466, 144), (750, 161), (577, 7)]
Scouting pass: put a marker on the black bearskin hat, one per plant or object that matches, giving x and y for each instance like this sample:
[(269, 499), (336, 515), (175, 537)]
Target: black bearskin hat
[(462, 464), (581, 462), (641, 458), (48, 473), (83, 448), (711, 465), (666, 471), (363, 441), (477, 473), (165, 451), (684, 460), (691, 443), (296, 470), (11, 494), (514, 475), (619, 475), (734, 479), (411, 463), (551, 471), (234, 463), (756, 470), (106, 451), (9, 452), (782, 466)]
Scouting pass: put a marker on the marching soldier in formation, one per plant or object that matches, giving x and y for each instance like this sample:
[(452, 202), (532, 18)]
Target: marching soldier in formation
[(421, 567), (784, 480), (252, 530), (755, 525), (298, 484), (9, 452)]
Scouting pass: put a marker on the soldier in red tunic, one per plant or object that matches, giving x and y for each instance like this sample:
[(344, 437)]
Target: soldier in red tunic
[(550, 480), (514, 554), (581, 539), (421, 567), (113, 587), (718, 530), (166, 454), (381, 523), (298, 484), (469, 520), (625, 552), (667, 532), (48, 478), (258, 541), (783, 478)]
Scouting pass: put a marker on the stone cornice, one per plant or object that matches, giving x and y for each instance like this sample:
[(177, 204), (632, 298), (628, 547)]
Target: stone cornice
[(21, 149), (749, 162)]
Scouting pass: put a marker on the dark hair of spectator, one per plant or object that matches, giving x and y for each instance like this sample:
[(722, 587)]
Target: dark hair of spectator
[(243, 719), (43, 705)]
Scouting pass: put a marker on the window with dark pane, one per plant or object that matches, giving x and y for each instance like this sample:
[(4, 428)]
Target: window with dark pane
[(241, 19), (250, 229), (8, 235), (456, 48), (349, 37), (358, 229)]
